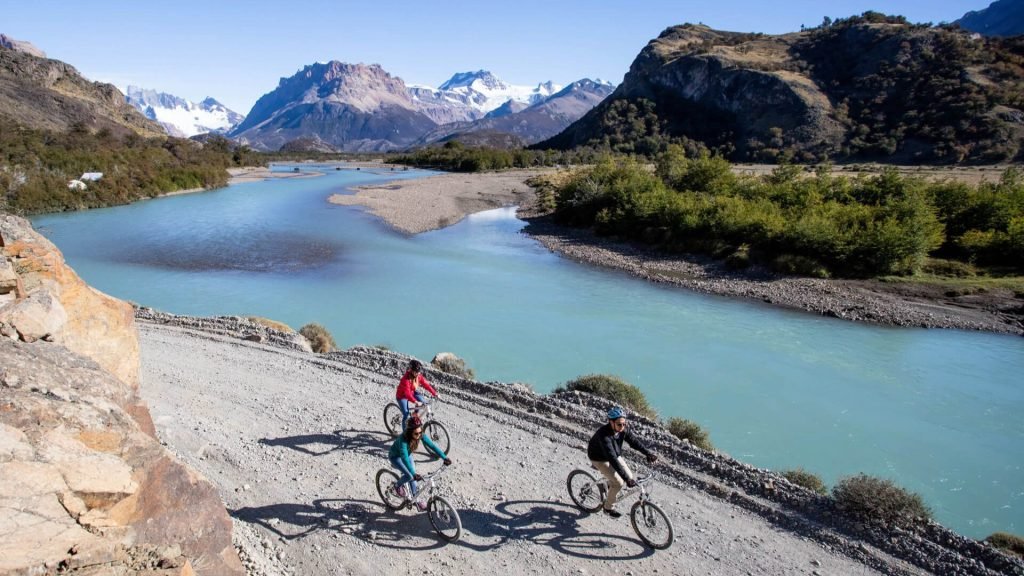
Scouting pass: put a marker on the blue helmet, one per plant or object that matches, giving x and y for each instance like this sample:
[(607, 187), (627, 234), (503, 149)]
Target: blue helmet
[(615, 413)]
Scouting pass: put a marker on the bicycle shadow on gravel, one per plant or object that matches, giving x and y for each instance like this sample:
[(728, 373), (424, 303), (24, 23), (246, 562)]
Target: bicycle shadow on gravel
[(552, 524), (367, 442), (363, 519)]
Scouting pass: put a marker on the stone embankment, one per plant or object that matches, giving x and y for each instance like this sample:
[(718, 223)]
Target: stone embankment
[(84, 485), (916, 546), (848, 300)]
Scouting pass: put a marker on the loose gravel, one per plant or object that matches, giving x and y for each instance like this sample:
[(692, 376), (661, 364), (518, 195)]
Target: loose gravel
[(293, 441)]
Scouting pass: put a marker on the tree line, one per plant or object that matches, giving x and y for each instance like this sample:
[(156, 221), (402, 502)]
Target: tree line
[(822, 225), (37, 165)]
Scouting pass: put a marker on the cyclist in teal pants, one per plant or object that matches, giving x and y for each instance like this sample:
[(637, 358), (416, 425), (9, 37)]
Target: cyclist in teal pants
[(403, 446)]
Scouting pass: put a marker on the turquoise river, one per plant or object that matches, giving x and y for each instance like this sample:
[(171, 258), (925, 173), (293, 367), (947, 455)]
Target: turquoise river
[(939, 412)]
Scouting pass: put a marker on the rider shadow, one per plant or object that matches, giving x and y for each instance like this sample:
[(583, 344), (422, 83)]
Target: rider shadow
[(362, 519), (550, 524), (373, 443)]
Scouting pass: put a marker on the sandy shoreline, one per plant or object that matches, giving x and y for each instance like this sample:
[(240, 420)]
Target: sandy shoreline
[(423, 204)]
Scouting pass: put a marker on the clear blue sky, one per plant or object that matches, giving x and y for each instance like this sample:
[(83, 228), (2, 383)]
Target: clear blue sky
[(237, 51)]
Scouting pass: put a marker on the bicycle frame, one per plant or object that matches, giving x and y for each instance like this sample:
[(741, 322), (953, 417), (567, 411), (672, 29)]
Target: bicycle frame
[(428, 483), (641, 483)]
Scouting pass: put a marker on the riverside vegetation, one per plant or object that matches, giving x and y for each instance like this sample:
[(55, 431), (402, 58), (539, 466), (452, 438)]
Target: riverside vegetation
[(820, 226), (36, 166)]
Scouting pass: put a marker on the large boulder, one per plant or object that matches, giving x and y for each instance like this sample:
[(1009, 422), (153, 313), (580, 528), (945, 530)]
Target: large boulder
[(58, 306), (84, 485)]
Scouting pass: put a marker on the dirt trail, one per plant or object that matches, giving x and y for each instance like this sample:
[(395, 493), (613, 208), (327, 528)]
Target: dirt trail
[(293, 441)]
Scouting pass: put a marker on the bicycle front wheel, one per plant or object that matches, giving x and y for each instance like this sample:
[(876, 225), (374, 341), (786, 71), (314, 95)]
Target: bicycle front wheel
[(393, 419), (585, 491), (439, 435), (386, 482), (652, 525), (444, 518)]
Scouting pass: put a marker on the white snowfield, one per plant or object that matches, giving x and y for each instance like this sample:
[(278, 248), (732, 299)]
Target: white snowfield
[(180, 117)]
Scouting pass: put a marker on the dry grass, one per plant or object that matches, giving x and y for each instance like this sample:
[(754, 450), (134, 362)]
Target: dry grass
[(272, 324)]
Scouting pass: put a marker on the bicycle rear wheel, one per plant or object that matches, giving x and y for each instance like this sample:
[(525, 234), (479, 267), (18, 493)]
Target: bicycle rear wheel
[(444, 518), (386, 482), (585, 490), (393, 419), (439, 435), (652, 525)]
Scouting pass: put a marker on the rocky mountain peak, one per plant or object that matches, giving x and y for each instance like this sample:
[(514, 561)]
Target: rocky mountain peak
[(20, 46), (181, 117), (480, 78), (1001, 18)]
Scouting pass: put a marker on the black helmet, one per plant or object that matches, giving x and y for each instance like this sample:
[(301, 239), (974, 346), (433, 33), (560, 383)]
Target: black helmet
[(415, 365)]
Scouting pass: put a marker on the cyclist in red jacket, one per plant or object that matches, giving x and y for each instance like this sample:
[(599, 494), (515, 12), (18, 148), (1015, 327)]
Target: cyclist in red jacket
[(409, 389)]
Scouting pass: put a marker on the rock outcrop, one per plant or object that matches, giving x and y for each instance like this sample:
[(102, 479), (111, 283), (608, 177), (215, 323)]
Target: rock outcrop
[(45, 94), (867, 87), (84, 485)]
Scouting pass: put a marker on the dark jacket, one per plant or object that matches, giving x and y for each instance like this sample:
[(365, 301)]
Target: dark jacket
[(605, 447)]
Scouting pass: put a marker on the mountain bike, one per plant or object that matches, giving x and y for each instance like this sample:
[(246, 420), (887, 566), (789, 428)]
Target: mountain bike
[(443, 516), (432, 428), (650, 523)]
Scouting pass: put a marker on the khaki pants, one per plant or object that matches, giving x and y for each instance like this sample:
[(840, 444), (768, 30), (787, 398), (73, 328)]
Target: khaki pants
[(614, 482)]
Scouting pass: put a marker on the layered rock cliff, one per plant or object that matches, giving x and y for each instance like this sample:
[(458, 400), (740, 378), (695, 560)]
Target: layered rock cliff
[(84, 485)]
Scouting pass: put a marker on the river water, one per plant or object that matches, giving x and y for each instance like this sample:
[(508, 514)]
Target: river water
[(938, 412)]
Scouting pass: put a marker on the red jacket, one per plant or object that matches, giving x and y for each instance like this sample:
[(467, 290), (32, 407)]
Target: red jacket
[(406, 388)]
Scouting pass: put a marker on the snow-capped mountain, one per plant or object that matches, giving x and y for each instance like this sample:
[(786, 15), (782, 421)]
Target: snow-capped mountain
[(181, 117), (484, 92), (530, 123)]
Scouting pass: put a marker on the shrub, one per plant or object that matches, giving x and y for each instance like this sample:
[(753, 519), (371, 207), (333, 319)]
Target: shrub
[(272, 324), (808, 480), (878, 499), (689, 430), (1010, 543), (739, 259), (319, 338), (939, 267), (802, 265), (452, 364), (612, 388)]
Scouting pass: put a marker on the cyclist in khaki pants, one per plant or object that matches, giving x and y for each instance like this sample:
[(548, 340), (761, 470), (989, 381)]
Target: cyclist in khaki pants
[(605, 453)]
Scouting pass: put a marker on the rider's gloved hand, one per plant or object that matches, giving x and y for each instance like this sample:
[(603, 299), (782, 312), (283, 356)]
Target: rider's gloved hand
[(447, 461), (651, 458), (417, 477), (631, 483)]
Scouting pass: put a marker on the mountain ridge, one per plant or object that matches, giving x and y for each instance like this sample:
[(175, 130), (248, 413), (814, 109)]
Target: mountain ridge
[(47, 94), (180, 117), (359, 107), (869, 87)]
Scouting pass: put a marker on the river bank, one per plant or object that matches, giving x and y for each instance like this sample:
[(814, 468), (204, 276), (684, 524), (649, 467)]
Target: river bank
[(904, 304), (423, 204), (296, 474)]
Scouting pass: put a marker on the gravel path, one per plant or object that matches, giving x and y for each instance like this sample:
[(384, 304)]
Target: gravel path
[(293, 441)]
